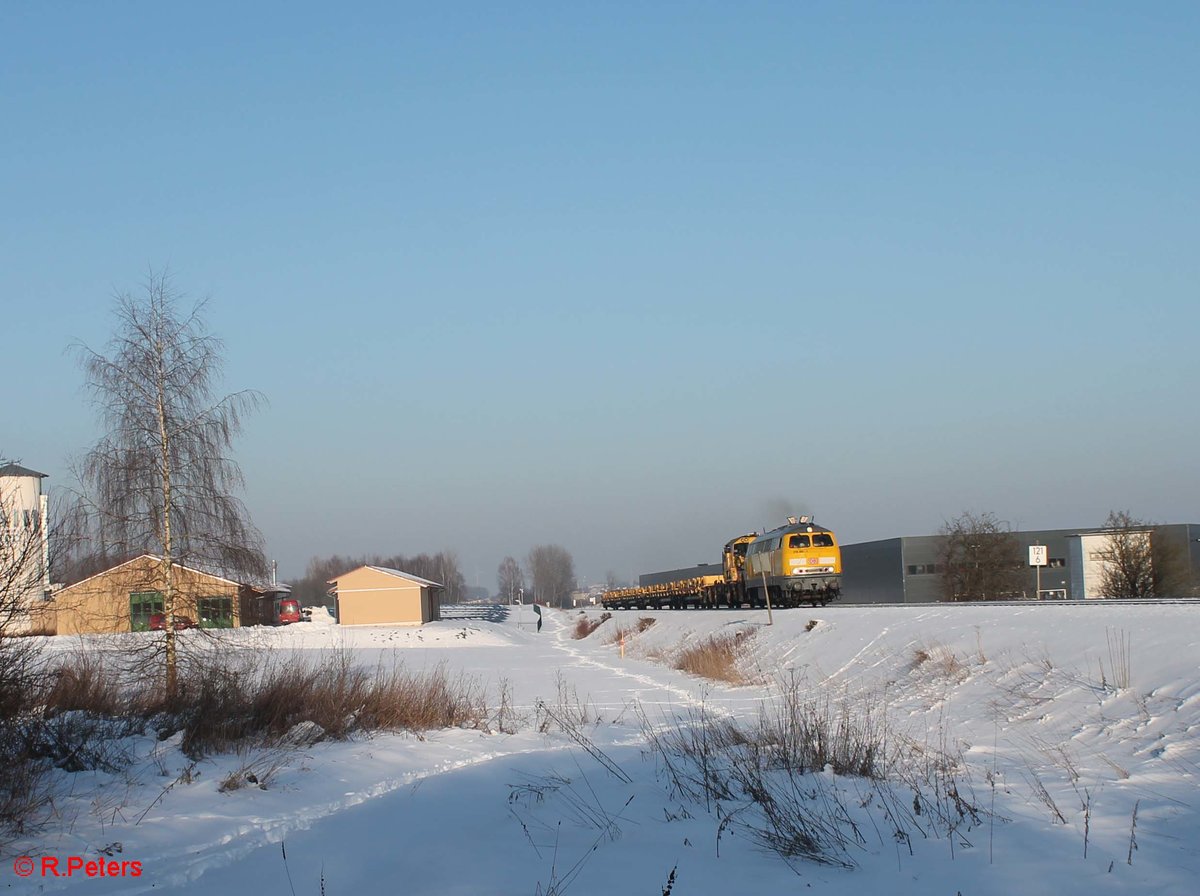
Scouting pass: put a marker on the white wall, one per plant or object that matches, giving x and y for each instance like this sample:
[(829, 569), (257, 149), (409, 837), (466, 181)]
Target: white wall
[(23, 515)]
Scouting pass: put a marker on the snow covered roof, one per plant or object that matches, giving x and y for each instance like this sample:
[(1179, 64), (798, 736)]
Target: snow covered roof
[(400, 574), (18, 470), (157, 559)]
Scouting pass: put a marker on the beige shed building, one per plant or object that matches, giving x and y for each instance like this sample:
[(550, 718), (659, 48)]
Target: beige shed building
[(123, 599), (376, 595)]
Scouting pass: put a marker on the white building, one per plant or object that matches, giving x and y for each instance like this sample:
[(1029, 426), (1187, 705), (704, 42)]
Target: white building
[(24, 545), (1088, 554)]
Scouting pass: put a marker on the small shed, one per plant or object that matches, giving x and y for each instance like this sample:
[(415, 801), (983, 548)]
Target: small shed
[(377, 595)]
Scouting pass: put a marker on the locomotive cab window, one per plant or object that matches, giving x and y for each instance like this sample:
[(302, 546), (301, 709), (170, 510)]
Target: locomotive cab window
[(798, 541), (823, 540)]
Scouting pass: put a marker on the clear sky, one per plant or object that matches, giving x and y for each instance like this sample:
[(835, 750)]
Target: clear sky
[(631, 278)]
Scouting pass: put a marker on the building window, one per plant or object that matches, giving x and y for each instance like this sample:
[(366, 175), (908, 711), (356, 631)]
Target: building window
[(216, 612), (143, 605), (923, 569), (1057, 562)]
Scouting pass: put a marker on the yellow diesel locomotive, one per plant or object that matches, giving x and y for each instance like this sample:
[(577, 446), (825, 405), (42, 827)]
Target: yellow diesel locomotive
[(795, 564)]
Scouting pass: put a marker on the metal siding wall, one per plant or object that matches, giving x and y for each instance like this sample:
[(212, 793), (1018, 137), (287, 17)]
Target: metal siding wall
[(920, 550), (877, 571), (871, 573)]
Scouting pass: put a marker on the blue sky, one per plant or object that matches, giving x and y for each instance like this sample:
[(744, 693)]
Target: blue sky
[(631, 278)]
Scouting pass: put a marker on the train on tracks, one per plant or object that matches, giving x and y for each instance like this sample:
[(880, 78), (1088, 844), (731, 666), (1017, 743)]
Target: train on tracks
[(798, 563)]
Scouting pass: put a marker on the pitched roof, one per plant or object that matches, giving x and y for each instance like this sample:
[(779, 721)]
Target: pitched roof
[(18, 470), (398, 573), (157, 559), (401, 574)]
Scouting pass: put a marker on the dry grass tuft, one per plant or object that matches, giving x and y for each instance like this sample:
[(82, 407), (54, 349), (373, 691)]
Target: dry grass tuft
[(585, 625), (940, 660), (79, 713), (783, 776), (644, 624), (716, 658), (81, 681), (227, 707)]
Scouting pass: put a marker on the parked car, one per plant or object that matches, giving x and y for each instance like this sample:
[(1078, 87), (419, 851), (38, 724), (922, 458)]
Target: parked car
[(287, 611), (158, 622)]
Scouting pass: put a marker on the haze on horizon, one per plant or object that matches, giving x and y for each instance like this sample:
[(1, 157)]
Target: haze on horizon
[(632, 279)]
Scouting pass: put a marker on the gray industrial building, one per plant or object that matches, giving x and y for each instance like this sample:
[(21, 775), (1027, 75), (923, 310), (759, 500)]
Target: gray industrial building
[(905, 569)]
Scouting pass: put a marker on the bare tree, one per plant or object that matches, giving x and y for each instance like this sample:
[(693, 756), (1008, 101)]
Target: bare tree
[(1129, 557), (979, 559), (442, 567), (510, 579), (552, 571), (162, 480)]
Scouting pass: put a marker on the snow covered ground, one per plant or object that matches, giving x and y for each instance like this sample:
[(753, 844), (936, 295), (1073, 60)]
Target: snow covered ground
[(1065, 717)]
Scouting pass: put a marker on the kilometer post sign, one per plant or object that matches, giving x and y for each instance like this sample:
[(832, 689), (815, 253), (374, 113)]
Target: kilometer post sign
[(1037, 559)]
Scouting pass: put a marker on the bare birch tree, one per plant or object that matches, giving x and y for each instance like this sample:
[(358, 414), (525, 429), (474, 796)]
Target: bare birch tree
[(161, 480)]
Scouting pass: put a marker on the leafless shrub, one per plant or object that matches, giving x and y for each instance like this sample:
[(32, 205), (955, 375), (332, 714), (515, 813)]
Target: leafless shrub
[(620, 633), (25, 785), (818, 733), (81, 681), (716, 658), (411, 701), (78, 741), (585, 624), (88, 708), (226, 706), (979, 559)]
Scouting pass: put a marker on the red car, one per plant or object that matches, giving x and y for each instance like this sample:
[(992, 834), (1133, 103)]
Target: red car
[(158, 622), (288, 611)]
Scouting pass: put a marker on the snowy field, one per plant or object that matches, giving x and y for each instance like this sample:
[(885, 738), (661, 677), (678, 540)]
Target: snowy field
[(1070, 730)]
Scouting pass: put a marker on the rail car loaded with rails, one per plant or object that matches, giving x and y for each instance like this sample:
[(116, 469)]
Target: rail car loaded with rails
[(799, 563)]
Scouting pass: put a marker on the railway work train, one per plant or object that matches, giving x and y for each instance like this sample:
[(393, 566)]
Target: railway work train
[(799, 563)]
